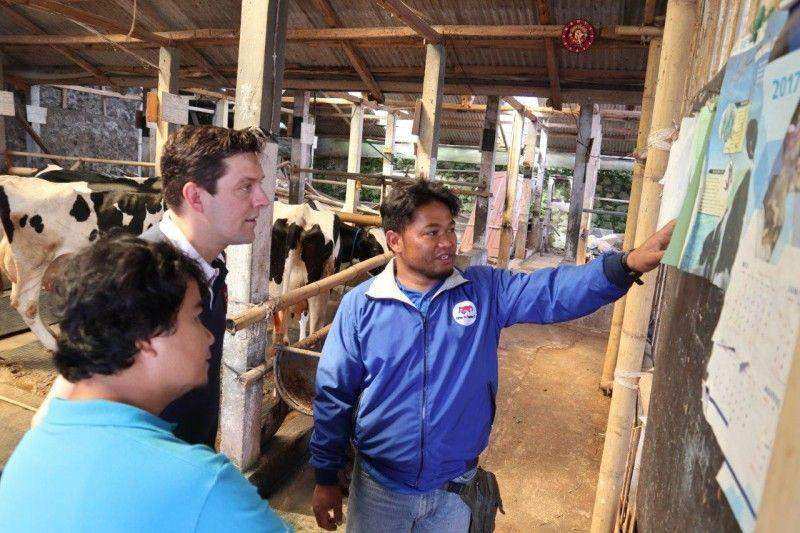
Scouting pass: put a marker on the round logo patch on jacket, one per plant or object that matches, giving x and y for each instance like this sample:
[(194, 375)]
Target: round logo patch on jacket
[(465, 313)]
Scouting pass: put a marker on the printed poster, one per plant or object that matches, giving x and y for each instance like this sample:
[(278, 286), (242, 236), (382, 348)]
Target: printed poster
[(716, 227), (760, 320)]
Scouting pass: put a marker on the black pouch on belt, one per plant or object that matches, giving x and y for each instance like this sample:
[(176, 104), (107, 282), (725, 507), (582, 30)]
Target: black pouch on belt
[(482, 496)]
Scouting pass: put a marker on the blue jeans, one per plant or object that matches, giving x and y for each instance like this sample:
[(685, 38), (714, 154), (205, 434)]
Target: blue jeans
[(373, 508)]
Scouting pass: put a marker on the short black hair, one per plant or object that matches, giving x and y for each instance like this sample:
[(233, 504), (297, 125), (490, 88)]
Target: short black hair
[(403, 200), (116, 292)]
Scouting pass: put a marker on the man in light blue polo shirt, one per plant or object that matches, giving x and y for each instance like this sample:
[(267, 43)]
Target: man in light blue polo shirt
[(131, 341)]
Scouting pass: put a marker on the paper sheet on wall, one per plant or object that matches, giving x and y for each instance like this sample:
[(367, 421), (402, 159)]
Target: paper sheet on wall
[(174, 108), (6, 103), (696, 163), (760, 320), (677, 175), (715, 231)]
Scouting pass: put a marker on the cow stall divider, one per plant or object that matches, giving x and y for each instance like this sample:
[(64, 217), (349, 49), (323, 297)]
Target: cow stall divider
[(294, 369), (380, 181)]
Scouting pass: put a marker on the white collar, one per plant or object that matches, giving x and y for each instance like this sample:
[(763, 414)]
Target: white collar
[(178, 239), (384, 285)]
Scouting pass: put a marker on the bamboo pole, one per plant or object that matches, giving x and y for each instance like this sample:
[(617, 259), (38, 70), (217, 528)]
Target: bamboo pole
[(681, 22), (260, 312), (610, 362), (361, 220), (16, 153)]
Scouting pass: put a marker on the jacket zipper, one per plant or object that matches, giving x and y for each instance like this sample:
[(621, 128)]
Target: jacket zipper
[(424, 399)]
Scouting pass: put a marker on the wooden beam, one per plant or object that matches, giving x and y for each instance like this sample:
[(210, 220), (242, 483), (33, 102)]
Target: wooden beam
[(169, 60), (248, 282), (431, 101), (589, 186), (388, 145), (486, 170), (221, 113), (526, 195), (332, 20), (29, 26), (578, 176), (98, 22), (649, 12), (550, 55), (300, 151), (512, 174), (353, 193), (150, 19), (521, 109), (5, 161), (514, 36), (412, 19)]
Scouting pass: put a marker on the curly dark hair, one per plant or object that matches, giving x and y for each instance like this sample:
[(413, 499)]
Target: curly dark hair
[(399, 206), (197, 153), (116, 292)]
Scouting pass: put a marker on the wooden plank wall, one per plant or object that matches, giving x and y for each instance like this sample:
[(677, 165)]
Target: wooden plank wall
[(678, 488)]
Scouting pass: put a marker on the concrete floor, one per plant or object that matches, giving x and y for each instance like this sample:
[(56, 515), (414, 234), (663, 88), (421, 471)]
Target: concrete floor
[(548, 435)]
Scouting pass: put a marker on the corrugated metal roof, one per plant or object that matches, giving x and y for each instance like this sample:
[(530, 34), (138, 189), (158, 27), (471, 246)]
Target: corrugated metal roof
[(466, 61)]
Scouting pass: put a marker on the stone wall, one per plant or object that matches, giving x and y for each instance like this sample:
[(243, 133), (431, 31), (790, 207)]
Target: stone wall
[(82, 129)]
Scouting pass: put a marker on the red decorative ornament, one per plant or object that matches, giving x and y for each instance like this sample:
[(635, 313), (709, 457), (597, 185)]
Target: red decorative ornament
[(578, 35)]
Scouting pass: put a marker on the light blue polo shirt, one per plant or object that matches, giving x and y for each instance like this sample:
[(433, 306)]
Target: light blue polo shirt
[(97, 465)]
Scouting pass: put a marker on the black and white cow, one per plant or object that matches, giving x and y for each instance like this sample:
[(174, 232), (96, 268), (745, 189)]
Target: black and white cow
[(304, 249), (308, 244), (44, 221)]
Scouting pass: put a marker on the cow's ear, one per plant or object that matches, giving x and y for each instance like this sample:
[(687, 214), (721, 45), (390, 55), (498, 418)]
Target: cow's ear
[(192, 196)]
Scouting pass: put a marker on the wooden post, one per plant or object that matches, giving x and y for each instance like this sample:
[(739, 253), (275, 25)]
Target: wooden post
[(681, 22), (388, 150), (512, 174), (248, 281), (34, 99), (526, 195), (221, 113), (353, 194), (540, 170), (779, 511), (578, 176), (169, 64), (589, 185), (486, 171), (301, 151), (547, 222), (4, 160), (430, 118), (651, 76)]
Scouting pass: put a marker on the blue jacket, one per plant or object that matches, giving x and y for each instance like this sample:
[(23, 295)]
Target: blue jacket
[(425, 386)]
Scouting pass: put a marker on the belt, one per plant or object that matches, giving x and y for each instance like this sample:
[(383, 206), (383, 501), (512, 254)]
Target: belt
[(456, 487)]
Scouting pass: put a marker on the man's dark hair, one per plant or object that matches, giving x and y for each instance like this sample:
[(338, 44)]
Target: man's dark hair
[(401, 203), (116, 292), (197, 153)]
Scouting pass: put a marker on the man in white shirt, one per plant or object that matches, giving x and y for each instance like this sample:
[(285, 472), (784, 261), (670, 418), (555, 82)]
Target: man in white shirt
[(212, 187)]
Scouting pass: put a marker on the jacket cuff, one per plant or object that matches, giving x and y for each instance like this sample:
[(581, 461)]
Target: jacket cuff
[(615, 272), (325, 476)]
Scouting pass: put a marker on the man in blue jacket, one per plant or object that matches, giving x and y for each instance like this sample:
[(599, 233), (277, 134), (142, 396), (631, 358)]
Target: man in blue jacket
[(408, 372)]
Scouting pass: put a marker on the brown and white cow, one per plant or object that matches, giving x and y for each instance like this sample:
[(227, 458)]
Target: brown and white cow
[(46, 220)]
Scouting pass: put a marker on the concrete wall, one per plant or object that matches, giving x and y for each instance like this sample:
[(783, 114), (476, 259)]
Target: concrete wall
[(81, 129)]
